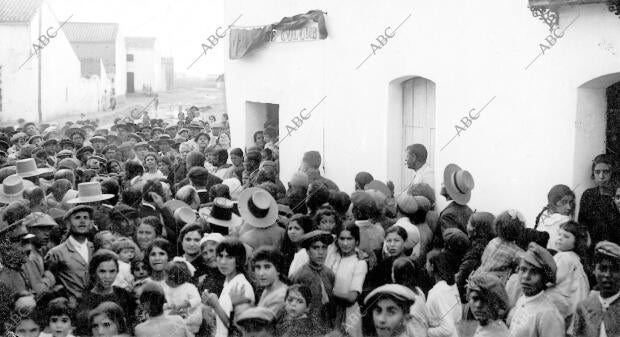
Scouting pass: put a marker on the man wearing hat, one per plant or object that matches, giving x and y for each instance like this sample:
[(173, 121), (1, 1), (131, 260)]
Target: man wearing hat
[(109, 151), (66, 144), (251, 164), (457, 186), (27, 169), (318, 278), (69, 260), (12, 254), (202, 180), (98, 143), (260, 211), (18, 140), (84, 153), (310, 164), (598, 314), (90, 193), (76, 135), (535, 314), (141, 149), (171, 130)]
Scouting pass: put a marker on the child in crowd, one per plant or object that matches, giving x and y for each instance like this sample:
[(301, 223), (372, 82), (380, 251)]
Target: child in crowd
[(404, 272), (296, 256), (318, 278), (571, 280), (444, 302), (182, 297), (389, 305), (231, 257), (159, 324), (500, 256), (212, 279), (560, 208), (59, 317), (126, 250), (327, 219), (139, 273), (104, 240), (488, 301), (350, 272), (295, 320)]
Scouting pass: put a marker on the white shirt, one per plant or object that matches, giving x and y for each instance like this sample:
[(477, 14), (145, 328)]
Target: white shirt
[(444, 308), (226, 303), (82, 248), (424, 174)]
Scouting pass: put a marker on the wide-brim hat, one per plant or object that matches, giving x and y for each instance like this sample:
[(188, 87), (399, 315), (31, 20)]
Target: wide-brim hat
[(458, 183), (26, 168), (257, 207), (73, 130), (185, 215), (98, 139), (39, 219), (33, 137), (66, 141), (49, 142), (221, 213), (90, 192), (83, 149), (12, 189), (18, 135)]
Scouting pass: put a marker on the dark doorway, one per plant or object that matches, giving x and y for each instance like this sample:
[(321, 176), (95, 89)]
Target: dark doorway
[(612, 132), (130, 87)]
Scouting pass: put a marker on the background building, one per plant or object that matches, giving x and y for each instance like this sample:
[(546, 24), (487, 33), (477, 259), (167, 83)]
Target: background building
[(520, 110), (39, 72), (94, 42), (144, 64)]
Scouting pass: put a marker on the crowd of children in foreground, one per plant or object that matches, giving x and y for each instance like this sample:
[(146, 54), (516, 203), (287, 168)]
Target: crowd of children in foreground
[(148, 257)]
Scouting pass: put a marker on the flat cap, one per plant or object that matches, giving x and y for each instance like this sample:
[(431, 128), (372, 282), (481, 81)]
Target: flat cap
[(398, 291), (540, 258), (609, 249), (316, 235)]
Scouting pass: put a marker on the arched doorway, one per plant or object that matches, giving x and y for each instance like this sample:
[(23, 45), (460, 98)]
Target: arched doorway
[(597, 126), (412, 120)]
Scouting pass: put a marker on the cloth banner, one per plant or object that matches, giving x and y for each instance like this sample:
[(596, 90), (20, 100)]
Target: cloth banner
[(295, 28)]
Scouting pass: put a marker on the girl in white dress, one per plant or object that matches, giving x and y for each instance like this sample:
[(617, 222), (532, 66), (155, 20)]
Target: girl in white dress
[(571, 280), (350, 273)]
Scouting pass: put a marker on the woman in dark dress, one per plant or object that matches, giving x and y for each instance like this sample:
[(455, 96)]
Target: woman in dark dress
[(596, 208), (189, 239), (103, 268)]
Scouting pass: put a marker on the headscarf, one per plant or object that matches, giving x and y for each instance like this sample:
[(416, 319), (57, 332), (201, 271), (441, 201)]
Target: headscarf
[(492, 290)]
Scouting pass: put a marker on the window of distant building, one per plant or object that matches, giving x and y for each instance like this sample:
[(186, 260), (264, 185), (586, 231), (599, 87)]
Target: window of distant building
[(129, 57)]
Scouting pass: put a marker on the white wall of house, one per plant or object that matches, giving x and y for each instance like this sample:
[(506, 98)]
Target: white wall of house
[(62, 89), (543, 127), (120, 76), (146, 67)]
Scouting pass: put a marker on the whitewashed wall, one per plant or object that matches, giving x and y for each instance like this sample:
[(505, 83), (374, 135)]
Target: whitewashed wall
[(524, 142)]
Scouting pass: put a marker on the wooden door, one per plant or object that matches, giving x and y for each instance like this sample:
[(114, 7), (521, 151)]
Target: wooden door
[(418, 121), (130, 87)]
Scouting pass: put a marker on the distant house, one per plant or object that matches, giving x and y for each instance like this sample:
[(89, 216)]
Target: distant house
[(40, 75), (95, 41), (167, 64), (144, 64)]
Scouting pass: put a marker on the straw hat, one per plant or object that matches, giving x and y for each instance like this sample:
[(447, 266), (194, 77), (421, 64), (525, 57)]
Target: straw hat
[(90, 192), (257, 207), (28, 168), (458, 183), (12, 189)]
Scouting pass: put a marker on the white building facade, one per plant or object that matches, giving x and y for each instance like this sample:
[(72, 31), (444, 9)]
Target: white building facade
[(144, 67), (479, 83)]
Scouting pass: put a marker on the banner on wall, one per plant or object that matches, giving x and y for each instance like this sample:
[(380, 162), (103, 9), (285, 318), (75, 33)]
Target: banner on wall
[(298, 28)]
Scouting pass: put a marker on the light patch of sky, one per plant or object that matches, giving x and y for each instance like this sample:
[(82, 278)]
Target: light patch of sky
[(180, 26)]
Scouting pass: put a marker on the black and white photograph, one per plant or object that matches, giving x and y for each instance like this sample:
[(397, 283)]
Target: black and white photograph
[(309, 168)]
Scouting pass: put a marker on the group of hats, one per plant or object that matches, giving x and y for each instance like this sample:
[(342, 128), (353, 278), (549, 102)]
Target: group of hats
[(14, 185)]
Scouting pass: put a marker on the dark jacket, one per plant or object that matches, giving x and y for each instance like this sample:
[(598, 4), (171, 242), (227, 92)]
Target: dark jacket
[(597, 213), (453, 216), (589, 314)]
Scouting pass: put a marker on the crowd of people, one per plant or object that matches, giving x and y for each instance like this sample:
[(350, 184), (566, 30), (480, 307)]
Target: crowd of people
[(149, 229)]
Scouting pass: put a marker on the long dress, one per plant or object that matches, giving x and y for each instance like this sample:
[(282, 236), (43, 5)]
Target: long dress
[(350, 272)]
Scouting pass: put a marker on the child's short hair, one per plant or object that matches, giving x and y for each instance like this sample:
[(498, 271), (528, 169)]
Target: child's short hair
[(270, 254), (153, 294), (178, 272), (581, 236), (59, 307), (325, 211), (124, 243), (98, 238), (303, 290)]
